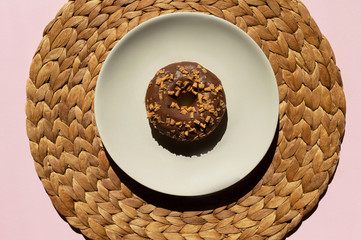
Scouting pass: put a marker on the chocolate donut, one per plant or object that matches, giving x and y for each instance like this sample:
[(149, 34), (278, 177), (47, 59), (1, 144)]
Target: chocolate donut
[(185, 101)]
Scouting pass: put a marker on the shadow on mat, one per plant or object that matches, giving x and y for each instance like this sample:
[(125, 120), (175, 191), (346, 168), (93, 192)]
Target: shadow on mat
[(203, 202)]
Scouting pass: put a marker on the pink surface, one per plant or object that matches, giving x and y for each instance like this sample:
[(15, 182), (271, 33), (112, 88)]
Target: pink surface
[(25, 209)]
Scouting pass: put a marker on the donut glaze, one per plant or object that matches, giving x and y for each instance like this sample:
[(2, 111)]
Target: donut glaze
[(185, 101)]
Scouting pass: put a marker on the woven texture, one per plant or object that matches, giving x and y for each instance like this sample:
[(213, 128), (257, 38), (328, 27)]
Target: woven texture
[(70, 159)]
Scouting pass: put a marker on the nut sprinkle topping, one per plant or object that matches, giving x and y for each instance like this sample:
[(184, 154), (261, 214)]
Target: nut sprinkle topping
[(185, 101)]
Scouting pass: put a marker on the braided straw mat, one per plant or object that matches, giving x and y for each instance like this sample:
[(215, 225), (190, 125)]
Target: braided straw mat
[(70, 159)]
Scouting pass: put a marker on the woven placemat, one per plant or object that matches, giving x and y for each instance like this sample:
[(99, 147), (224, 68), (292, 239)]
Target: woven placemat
[(70, 159)]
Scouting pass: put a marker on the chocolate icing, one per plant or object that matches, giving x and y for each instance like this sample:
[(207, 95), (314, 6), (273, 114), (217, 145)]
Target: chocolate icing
[(185, 101)]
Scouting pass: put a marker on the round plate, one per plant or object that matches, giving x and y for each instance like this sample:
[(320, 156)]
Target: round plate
[(251, 92)]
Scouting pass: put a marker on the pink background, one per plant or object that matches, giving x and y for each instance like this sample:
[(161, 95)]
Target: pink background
[(25, 209)]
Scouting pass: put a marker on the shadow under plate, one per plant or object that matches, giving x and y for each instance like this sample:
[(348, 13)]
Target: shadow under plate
[(202, 202)]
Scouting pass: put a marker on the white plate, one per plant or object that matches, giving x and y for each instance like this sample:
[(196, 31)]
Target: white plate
[(224, 49)]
